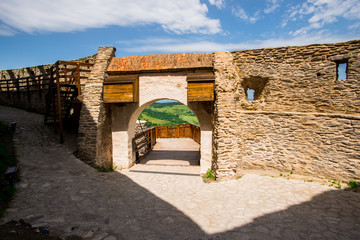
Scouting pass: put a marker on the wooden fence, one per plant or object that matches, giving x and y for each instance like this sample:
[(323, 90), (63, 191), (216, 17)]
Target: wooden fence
[(145, 141), (61, 83), (65, 77), (68, 72), (25, 84), (179, 131)]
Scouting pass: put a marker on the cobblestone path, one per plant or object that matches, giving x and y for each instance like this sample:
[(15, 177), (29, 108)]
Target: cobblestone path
[(70, 198), (174, 151)]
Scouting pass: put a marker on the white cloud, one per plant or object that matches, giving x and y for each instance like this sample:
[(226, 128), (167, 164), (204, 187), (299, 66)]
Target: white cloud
[(271, 5), (240, 12), (185, 16), (218, 3), (169, 45), (322, 12)]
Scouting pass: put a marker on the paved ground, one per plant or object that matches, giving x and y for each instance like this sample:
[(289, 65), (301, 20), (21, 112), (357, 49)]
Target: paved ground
[(69, 197), (174, 151)]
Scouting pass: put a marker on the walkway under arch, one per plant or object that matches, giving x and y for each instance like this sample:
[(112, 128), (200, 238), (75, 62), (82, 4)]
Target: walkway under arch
[(180, 156), (174, 152), (152, 88)]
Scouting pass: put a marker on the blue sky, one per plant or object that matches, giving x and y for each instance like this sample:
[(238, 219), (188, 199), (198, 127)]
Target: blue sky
[(36, 32)]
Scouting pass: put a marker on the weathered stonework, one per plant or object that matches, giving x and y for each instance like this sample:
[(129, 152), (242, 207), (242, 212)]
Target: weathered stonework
[(302, 119), (225, 125), (306, 143), (95, 120)]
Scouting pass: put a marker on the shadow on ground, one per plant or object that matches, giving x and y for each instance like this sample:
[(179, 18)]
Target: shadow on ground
[(112, 203)]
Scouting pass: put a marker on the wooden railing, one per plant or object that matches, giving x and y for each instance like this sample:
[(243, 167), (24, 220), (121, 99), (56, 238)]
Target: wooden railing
[(25, 84), (62, 84), (65, 77), (71, 72), (145, 141), (65, 72), (179, 131)]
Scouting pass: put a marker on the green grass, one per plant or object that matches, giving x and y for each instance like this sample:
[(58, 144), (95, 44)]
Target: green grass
[(190, 119), (353, 184), (209, 174), (159, 114), (7, 158)]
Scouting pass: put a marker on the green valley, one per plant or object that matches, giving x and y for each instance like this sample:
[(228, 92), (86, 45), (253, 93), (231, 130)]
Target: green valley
[(158, 114)]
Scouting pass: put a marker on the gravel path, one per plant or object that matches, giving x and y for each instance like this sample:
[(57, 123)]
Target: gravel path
[(70, 198)]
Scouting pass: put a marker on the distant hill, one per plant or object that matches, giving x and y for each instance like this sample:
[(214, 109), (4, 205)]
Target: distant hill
[(158, 114)]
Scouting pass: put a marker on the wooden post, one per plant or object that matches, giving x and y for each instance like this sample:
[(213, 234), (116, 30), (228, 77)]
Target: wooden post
[(7, 83), (59, 104), (7, 86), (17, 85), (78, 78), (65, 74), (39, 82), (52, 95), (178, 130), (28, 88), (166, 131), (151, 137)]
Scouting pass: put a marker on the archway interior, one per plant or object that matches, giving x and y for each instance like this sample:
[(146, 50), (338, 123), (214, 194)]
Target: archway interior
[(168, 112), (177, 134)]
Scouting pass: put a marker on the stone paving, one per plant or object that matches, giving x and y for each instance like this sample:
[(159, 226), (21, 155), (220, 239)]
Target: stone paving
[(175, 152), (70, 198)]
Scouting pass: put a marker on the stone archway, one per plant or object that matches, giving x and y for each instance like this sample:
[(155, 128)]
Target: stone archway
[(154, 87)]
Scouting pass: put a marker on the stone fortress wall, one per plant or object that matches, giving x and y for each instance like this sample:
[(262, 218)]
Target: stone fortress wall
[(302, 119)]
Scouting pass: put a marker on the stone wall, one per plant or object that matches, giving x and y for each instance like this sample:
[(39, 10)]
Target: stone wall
[(94, 136), (141, 126), (302, 118), (306, 143), (34, 101)]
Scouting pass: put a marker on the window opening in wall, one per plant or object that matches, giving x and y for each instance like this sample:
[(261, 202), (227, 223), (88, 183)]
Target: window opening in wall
[(254, 87), (341, 71), (250, 94)]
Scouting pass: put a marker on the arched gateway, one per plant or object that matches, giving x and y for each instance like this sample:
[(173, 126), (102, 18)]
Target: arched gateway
[(133, 83)]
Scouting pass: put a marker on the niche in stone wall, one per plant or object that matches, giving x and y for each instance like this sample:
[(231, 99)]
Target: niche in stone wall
[(254, 87)]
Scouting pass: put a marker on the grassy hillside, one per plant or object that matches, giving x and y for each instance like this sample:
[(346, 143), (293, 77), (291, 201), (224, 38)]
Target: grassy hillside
[(158, 114)]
